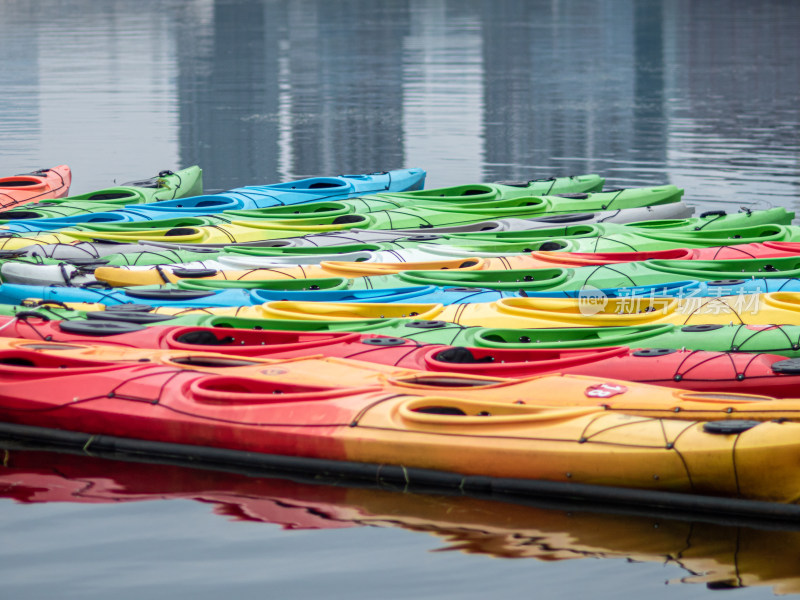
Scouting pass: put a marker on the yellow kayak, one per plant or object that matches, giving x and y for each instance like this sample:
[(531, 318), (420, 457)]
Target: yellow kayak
[(472, 435), (224, 233), (777, 308), (158, 275)]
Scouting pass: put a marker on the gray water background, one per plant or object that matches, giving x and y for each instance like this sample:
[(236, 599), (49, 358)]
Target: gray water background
[(703, 95)]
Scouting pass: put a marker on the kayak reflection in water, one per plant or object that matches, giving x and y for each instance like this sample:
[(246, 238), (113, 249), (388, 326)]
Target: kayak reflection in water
[(722, 555)]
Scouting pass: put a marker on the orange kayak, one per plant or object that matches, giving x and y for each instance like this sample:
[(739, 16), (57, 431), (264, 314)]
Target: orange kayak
[(373, 428), (31, 187), (542, 259)]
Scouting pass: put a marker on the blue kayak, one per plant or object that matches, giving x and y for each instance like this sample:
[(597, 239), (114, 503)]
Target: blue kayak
[(336, 290), (302, 191), (429, 294)]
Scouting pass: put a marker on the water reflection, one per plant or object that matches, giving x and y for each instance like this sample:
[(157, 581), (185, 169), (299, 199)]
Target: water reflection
[(719, 554)]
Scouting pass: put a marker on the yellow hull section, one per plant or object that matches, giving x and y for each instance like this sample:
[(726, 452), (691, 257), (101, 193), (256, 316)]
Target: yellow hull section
[(777, 308), (119, 277)]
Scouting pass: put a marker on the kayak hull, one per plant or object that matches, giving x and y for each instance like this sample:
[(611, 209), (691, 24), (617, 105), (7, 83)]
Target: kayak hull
[(705, 371), (26, 188), (460, 436)]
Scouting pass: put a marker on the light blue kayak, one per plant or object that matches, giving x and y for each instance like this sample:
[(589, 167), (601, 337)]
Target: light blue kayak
[(334, 290)]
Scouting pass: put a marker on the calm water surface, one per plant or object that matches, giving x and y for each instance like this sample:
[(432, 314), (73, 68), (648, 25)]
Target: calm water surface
[(701, 95)]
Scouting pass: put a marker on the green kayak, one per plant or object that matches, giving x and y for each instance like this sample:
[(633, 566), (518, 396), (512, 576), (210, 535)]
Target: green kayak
[(164, 186), (301, 253), (645, 274), (608, 237), (503, 190), (551, 205)]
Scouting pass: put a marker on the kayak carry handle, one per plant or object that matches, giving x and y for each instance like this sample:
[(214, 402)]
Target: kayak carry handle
[(27, 314)]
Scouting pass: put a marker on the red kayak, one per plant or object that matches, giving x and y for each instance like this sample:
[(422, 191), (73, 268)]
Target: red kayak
[(164, 403), (753, 250), (738, 372), (35, 186)]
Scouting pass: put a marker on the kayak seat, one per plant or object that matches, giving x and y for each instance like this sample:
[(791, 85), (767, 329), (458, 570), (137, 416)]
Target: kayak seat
[(193, 273), (551, 246), (426, 324), (653, 352), (144, 183), (790, 366), (729, 427), (169, 294), (215, 362), (572, 218), (18, 183), (323, 184), (344, 219), (700, 328), (88, 262), (511, 183), (423, 237), (17, 361), (441, 410), (128, 308), (460, 355), (138, 318), (21, 214), (109, 195), (98, 328), (582, 196), (204, 338), (384, 341)]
